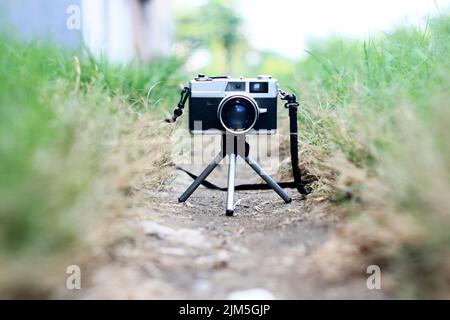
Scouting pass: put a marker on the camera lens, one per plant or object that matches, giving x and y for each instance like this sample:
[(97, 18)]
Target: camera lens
[(238, 114)]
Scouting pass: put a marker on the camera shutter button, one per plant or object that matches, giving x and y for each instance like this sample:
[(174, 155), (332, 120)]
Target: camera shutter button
[(202, 77)]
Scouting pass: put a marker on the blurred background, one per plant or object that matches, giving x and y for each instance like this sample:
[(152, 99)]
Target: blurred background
[(217, 36)]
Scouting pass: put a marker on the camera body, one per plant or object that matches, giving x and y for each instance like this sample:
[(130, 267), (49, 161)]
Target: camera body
[(237, 105)]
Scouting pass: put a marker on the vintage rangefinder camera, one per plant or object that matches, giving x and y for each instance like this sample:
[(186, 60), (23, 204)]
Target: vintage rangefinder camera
[(237, 105)]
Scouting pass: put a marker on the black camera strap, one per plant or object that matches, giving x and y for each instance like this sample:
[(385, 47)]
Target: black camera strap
[(302, 185), (178, 112), (292, 104)]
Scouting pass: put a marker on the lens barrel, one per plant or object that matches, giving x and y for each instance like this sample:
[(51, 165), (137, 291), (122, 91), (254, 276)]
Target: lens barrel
[(238, 113)]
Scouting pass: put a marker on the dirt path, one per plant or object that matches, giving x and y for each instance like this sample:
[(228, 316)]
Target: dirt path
[(192, 250)]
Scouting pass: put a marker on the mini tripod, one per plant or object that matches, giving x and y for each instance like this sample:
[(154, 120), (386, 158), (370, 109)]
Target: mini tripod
[(233, 146)]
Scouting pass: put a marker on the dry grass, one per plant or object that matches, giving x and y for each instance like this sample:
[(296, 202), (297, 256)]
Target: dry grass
[(380, 121), (73, 148)]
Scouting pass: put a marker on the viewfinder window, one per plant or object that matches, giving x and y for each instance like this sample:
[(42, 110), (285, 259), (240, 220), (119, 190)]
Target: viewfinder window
[(259, 87), (235, 86)]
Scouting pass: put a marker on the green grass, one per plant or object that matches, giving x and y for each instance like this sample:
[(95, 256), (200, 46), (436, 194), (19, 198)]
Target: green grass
[(384, 104), (61, 120)]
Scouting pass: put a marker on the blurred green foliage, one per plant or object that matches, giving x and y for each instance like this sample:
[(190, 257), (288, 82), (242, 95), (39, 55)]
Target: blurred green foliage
[(214, 24), (217, 27), (384, 103), (59, 117)]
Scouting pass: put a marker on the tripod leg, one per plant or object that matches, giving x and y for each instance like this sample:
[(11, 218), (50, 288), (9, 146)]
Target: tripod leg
[(272, 183), (197, 182), (231, 177)]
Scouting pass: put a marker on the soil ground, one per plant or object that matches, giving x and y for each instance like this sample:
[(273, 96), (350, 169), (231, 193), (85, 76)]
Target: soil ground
[(193, 251)]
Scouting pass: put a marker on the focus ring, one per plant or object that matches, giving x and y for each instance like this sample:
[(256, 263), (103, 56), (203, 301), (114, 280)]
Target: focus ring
[(249, 101)]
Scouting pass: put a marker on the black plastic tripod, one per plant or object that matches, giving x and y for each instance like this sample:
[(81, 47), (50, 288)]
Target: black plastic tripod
[(234, 146)]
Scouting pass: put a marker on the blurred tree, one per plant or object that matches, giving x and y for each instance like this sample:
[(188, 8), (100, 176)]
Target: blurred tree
[(214, 24)]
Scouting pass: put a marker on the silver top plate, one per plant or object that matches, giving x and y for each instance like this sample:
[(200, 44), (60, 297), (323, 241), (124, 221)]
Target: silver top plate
[(217, 88)]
